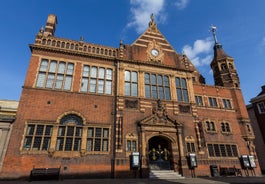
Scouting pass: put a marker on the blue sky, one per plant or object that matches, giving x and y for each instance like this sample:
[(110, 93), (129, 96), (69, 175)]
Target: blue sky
[(184, 23)]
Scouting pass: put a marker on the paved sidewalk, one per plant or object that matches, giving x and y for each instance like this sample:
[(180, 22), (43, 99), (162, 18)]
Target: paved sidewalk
[(216, 180)]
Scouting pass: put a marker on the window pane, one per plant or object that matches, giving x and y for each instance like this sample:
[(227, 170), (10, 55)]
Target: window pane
[(98, 132), (109, 74), (77, 144), (68, 144), (46, 143), (59, 81), (84, 85), (161, 92), (183, 83), (127, 76), (105, 145), (108, 87), (61, 131), (127, 89), (234, 149), (90, 132), (30, 129), (27, 142), (159, 80), (100, 86), (128, 145), (70, 131), (40, 80), (59, 144), (177, 82), (97, 145), (37, 142), (179, 93), (39, 130), (185, 96), (229, 150), (61, 68), (153, 79), (92, 85), (94, 72), (68, 82), (167, 90), (44, 65), (48, 130), (147, 78), (86, 71), (101, 73), (53, 66), (89, 145), (166, 81), (133, 145), (78, 132), (222, 148), (210, 150), (50, 80), (147, 91), (70, 69), (217, 150), (105, 133), (134, 89), (134, 77), (154, 92)]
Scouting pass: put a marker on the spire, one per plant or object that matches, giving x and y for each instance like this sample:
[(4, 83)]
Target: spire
[(213, 29)]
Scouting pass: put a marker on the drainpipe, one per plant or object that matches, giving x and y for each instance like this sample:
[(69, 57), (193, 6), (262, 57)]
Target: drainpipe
[(114, 120)]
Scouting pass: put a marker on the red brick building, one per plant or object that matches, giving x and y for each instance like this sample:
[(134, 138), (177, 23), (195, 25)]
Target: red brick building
[(256, 111), (86, 108)]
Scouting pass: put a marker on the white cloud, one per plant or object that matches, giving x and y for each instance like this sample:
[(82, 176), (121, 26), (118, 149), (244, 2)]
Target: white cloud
[(141, 11), (181, 4), (199, 53)]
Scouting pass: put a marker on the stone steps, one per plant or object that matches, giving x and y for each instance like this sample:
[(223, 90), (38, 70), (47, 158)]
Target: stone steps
[(164, 174)]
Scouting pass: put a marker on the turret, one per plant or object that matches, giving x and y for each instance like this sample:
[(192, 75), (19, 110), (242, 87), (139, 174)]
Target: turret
[(223, 66)]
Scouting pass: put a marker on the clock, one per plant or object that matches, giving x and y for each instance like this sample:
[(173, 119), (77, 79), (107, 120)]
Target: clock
[(154, 52)]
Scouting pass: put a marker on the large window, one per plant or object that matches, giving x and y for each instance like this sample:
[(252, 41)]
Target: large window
[(212, 102), (97, 139), (199, 101), (130, 83), (222, 150), (69, 133), (225, 127), (38, 137), (210, 126), (96, 80), (55, 75), (227, 104), (157, 86), (182, 91)]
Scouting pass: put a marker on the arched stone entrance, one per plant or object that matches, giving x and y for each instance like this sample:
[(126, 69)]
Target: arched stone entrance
[(160, 153)]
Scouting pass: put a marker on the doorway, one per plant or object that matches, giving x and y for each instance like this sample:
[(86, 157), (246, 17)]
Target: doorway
[(159, 153)]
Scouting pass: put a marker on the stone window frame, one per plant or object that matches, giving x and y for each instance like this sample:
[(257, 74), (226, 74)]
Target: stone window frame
[(199, 100), (227, 103), (150, 85), (190, 144), (225, 127), (210, 126), (101, 84), (222, 150), (182, 89), (130, 83), (212, 102), (54, 74)]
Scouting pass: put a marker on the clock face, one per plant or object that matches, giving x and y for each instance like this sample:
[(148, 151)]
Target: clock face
[(154, 52)]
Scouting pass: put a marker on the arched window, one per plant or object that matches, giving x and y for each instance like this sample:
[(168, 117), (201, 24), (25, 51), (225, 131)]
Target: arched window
[(210, 126), (69, 133)]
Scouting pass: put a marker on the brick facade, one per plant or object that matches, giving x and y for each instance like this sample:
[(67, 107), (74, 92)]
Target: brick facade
[(85, 108)]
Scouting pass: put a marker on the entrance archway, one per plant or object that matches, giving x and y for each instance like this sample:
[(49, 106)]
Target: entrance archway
[(159, 153)]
